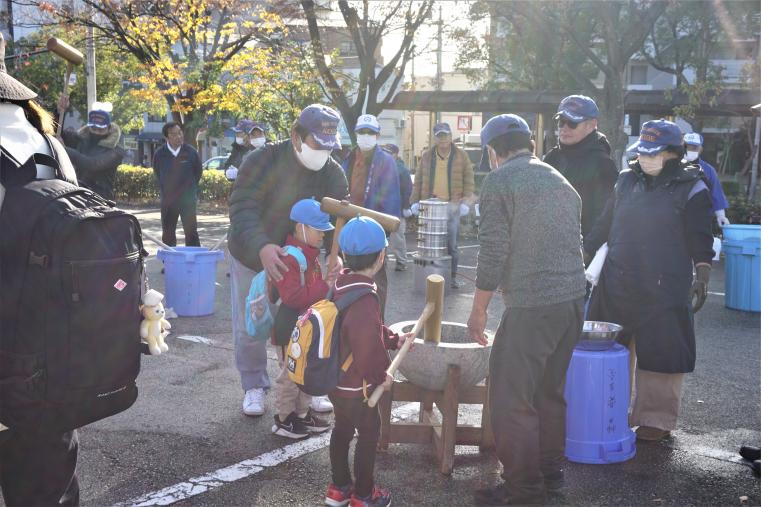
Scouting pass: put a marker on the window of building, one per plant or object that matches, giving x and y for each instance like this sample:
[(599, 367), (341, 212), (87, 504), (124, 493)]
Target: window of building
[(346, 48), (638, 74)]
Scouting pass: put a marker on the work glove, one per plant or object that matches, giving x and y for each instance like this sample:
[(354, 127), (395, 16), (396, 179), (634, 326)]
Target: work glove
[(407, 213), (721, 217), (464, 209), (699, 289), (231, 173), (415, 208)]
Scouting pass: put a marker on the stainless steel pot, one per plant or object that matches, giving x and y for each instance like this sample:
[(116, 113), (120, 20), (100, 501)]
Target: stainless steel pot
[(597, 335)]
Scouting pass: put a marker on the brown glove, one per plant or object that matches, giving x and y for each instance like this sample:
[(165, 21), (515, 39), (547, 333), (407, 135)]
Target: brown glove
[(699, 290)]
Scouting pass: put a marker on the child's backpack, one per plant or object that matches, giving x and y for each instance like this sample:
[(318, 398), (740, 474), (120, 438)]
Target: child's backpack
[(313, 356), (71, 266), (259, 319)]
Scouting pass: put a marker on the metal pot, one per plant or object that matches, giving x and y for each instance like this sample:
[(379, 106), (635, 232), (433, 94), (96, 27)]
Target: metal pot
[(597, 335)]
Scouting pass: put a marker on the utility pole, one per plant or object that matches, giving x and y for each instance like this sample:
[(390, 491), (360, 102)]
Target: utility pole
[(438, 59), (90, 67)]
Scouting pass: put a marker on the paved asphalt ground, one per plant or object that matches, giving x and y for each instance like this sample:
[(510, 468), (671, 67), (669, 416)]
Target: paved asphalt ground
[(188, 423)]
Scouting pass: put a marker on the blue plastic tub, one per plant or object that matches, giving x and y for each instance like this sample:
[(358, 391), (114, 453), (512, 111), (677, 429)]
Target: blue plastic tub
[(190, 275), (740, 232), (597, 394), (742, 268)]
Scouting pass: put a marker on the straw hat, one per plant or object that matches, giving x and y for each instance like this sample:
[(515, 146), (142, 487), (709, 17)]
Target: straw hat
[(10, 88)]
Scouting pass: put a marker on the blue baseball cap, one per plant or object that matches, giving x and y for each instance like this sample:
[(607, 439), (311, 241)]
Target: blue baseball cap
[(693, 139), (368, 121), (322, 122), (577, 108), (501, 125), (391, 148), (258, 125), (308, 212), (655, 136), (440, 128), (245, 125), (362, 235), (99, 118)]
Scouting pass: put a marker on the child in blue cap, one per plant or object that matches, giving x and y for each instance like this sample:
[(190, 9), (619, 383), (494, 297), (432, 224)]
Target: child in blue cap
[(301, 286), (363, 243)]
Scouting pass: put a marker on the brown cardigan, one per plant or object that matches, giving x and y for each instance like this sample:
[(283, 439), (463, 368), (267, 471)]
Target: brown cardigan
[(461, 185)]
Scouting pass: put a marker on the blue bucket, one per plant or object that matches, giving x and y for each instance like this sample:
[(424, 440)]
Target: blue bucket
[(742, 268), (597, 418), (190, 275), (739, 232)]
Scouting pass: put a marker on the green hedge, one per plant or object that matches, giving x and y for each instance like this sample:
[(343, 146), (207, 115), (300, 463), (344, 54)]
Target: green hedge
[(742, 211), (138, 184)]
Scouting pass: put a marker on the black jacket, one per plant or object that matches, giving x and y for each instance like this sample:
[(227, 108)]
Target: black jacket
[(95, 158), (237, 154), (178, 176), (589, 168), (270, 181)]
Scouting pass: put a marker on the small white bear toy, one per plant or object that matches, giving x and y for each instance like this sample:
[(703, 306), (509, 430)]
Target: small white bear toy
[(154, 326)]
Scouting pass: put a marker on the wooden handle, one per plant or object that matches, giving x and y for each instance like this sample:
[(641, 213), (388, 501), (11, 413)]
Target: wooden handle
[(427, 312), (434, 293), (333, 256), (157, 241), (62, 114), (348, 211)]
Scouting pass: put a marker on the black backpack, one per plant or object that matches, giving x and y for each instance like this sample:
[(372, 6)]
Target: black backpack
[(71, 270)]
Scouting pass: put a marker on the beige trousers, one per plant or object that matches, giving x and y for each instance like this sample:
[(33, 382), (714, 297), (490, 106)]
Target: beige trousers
[(288, 397), (656, 397)]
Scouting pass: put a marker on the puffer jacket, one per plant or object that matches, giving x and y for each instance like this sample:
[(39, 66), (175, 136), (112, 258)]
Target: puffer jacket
[(95, 158), (589, 168), (460, 170)]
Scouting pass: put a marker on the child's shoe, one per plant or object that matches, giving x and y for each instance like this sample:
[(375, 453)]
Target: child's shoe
[(338, 497), (378, 498), (314, 424), (293, 427)]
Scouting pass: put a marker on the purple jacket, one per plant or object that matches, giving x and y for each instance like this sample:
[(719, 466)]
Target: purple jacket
[(382, 189)]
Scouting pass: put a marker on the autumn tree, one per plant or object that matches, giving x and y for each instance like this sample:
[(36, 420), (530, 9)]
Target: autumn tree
[(373, 86)]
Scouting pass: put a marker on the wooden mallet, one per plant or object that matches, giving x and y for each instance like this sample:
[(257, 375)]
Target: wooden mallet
[(430, 318), (73, 57), (344, 211)]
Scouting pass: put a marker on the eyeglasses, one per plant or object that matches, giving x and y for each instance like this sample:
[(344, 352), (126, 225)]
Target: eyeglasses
[(562, 122)]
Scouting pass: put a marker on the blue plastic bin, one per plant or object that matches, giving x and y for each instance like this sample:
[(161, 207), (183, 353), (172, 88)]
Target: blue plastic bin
[(740, 232), (190, 274), (597, 394), (742, 268)]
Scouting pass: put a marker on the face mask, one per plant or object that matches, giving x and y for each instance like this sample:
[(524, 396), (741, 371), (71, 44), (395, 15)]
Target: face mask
[(691, 156), (651, 166), (258, 142), (239, 140), (366, 142), (312, 159)]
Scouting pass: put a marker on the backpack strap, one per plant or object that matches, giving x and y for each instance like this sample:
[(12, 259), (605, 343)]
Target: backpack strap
[(299, 255)]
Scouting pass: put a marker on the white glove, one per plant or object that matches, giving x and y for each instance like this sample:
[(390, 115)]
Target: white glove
[(231, 173), (406, 213), (415, 209), (464, 209), (721, 217)]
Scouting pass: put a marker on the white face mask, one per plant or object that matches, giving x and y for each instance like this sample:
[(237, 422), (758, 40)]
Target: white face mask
[(312, 159), (258, 142), (652, 166), (691, 156), (366, 142), (239, 140)]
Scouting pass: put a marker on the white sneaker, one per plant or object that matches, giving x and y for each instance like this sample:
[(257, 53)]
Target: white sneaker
[(253, 402), (321, 404)]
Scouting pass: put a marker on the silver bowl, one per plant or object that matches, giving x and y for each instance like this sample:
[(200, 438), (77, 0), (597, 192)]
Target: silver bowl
[(598, 335)]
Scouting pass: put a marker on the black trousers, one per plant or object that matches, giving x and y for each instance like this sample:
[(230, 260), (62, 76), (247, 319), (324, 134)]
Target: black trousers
[(184, 208), (39, 470), (531, 352), (351, 414)]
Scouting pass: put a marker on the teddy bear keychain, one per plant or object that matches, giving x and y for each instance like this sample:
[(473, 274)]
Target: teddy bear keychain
[(154, 326)]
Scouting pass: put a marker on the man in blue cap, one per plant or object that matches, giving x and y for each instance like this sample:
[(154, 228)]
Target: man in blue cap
[(94, 150), (530, 247), (582, 155), (373, 181), (693, 144), (658, 230), (270, 181), (249, 135), (446, 173), (398, 241)]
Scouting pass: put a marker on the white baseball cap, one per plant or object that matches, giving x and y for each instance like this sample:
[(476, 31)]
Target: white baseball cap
[(368, 121)]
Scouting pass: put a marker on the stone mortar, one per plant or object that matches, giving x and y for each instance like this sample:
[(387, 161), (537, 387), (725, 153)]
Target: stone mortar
[(426, 364)]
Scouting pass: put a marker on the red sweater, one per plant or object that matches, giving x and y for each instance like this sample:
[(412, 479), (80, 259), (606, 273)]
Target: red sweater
[(363, 333), (292, 294)]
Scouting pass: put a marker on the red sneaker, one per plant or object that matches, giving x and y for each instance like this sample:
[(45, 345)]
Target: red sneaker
[(378, 498), (338, 497)]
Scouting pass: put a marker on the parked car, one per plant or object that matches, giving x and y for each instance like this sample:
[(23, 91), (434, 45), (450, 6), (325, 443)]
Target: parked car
[(215, 163)]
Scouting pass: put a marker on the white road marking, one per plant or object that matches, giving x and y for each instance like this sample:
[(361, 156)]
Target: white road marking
[(196, 339), (218, 478)]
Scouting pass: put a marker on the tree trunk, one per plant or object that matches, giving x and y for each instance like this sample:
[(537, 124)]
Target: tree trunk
[(612, 116)]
